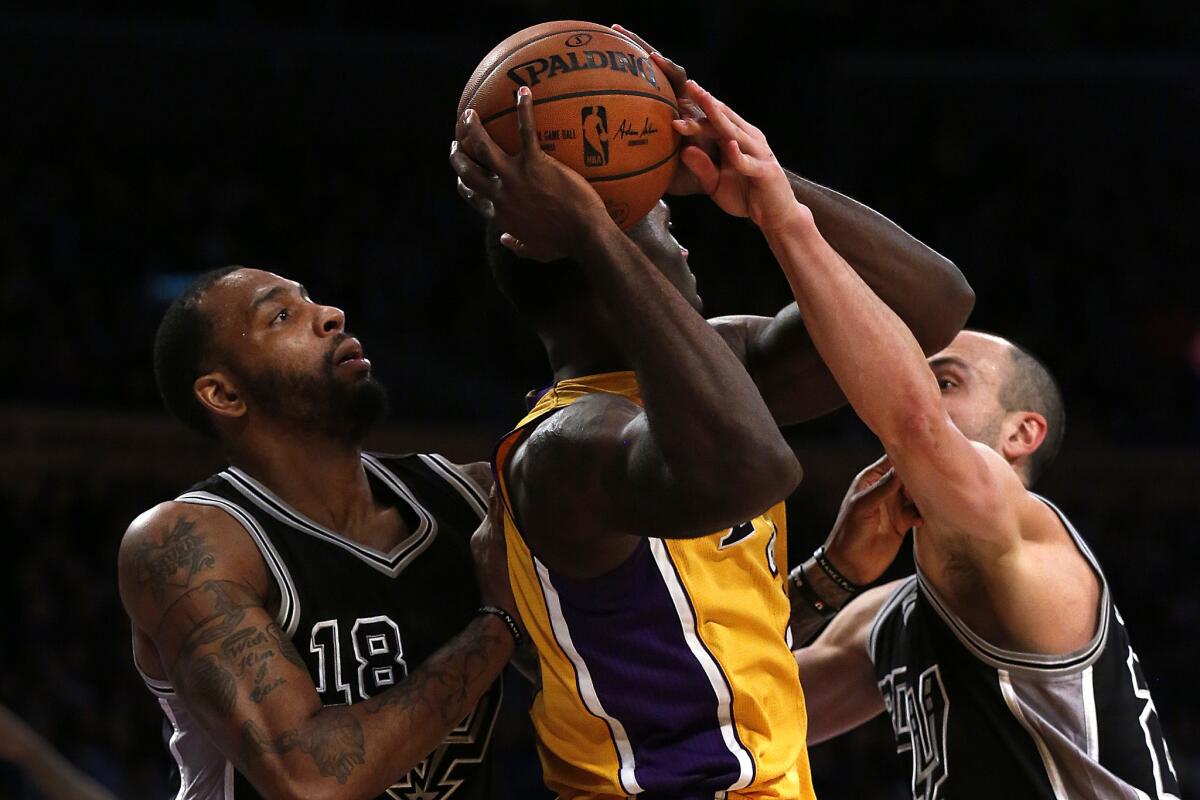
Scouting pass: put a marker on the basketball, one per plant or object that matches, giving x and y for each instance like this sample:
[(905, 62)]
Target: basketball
[(602, 108)]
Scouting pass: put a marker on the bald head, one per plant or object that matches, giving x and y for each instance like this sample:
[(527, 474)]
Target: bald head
[(992, 390), (1029, 386)]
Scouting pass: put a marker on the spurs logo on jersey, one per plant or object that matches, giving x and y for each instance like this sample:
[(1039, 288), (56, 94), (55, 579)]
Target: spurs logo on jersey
[(440, 775), (974, 720), (919, 718)]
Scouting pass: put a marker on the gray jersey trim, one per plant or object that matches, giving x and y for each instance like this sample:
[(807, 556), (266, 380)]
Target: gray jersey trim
[(1059, 714), (289, 599), (1003, 659), (458, 478), (204, 771), (889, 605), (391, 563)]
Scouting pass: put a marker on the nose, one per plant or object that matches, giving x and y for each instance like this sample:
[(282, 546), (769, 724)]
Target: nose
[(330, 320)]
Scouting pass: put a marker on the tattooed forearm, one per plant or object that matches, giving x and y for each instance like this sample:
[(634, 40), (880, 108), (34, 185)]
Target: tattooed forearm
[(333, 740), (443, 684), (182, 553)]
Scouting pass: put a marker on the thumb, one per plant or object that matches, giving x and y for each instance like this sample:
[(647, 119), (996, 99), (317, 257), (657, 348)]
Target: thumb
[(526, 124), (700, 165), (883, 487)]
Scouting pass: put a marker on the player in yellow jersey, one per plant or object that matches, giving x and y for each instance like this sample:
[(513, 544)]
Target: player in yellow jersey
[(644, 490)]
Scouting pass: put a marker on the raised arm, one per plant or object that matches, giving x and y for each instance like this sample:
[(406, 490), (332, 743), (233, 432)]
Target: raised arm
[(924, 288), (703, 452), (870, 351), (196, 590)]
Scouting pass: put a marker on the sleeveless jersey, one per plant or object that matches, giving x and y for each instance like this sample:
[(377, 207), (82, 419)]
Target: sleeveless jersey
[(974, 721), (671, 675), (361, 619)]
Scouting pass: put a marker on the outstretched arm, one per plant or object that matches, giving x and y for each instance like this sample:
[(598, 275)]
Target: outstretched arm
[(195, 585), (703, 451), (924, 288), (1042, 590)]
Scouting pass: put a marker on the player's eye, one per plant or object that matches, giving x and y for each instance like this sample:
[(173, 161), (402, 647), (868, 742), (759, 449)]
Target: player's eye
[(282, 316), (946, 383)]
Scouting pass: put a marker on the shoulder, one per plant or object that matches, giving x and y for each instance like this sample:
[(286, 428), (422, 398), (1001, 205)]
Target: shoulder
[(184, 524), (479, 474), (173, 545), (591, 424)]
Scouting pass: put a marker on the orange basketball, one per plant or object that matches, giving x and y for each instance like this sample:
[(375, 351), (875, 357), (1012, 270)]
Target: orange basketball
[(602, 108)]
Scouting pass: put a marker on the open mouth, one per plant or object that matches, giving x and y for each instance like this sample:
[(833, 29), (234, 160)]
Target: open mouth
[(348, 351)]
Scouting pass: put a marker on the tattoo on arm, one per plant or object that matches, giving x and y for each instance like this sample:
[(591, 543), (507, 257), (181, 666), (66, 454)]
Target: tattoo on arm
[(212, 679), (443, 683), (333, 740), (182, 553), (211, 683), (285, 646)]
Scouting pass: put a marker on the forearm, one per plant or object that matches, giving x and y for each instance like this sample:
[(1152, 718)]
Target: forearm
[(924, 288), (877, 362), (698, 398), (368, 746)]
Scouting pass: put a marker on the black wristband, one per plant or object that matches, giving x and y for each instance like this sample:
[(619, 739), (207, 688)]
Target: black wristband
[(825, 609), (829, 569), (506, 618)]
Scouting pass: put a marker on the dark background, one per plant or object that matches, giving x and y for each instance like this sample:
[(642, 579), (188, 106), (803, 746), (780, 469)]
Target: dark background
[(1048, 149)]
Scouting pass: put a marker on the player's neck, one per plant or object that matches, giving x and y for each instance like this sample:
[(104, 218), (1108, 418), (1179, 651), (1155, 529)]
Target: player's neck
[(320, 477), (577, 351)]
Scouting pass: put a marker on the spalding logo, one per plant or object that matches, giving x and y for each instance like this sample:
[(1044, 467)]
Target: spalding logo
[(531, 73)]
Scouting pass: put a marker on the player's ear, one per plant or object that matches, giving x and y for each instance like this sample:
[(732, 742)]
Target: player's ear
[(218, 393), (1024, 432)]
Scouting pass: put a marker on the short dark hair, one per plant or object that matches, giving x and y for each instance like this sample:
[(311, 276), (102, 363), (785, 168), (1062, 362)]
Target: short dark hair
[(536, 289), (181, 345), (1030, 387)]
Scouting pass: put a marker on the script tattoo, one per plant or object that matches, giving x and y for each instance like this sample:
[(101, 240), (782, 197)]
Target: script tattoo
[(212, 678), (251, 650), (182, 551), (333, 740)]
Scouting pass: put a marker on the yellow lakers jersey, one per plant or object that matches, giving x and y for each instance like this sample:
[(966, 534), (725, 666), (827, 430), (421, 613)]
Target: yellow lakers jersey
[(670, 675)]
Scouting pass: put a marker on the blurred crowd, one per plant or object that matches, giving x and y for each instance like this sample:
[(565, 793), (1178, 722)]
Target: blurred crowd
[(1055, 166)]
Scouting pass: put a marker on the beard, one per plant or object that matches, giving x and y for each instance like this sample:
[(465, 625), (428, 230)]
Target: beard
[(317, 402)]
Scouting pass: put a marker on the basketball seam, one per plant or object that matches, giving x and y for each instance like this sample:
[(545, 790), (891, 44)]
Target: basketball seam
[(589, 93), (636, 172), (483, 78)]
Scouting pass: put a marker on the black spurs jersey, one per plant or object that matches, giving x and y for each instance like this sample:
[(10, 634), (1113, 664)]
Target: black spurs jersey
[(974, 722), (361, 619)]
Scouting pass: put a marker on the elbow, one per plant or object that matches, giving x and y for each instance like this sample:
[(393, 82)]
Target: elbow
[(755, 478), (917, 422), (954, 303)]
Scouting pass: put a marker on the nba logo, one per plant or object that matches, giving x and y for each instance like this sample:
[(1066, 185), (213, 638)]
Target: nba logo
[(595, 136)]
